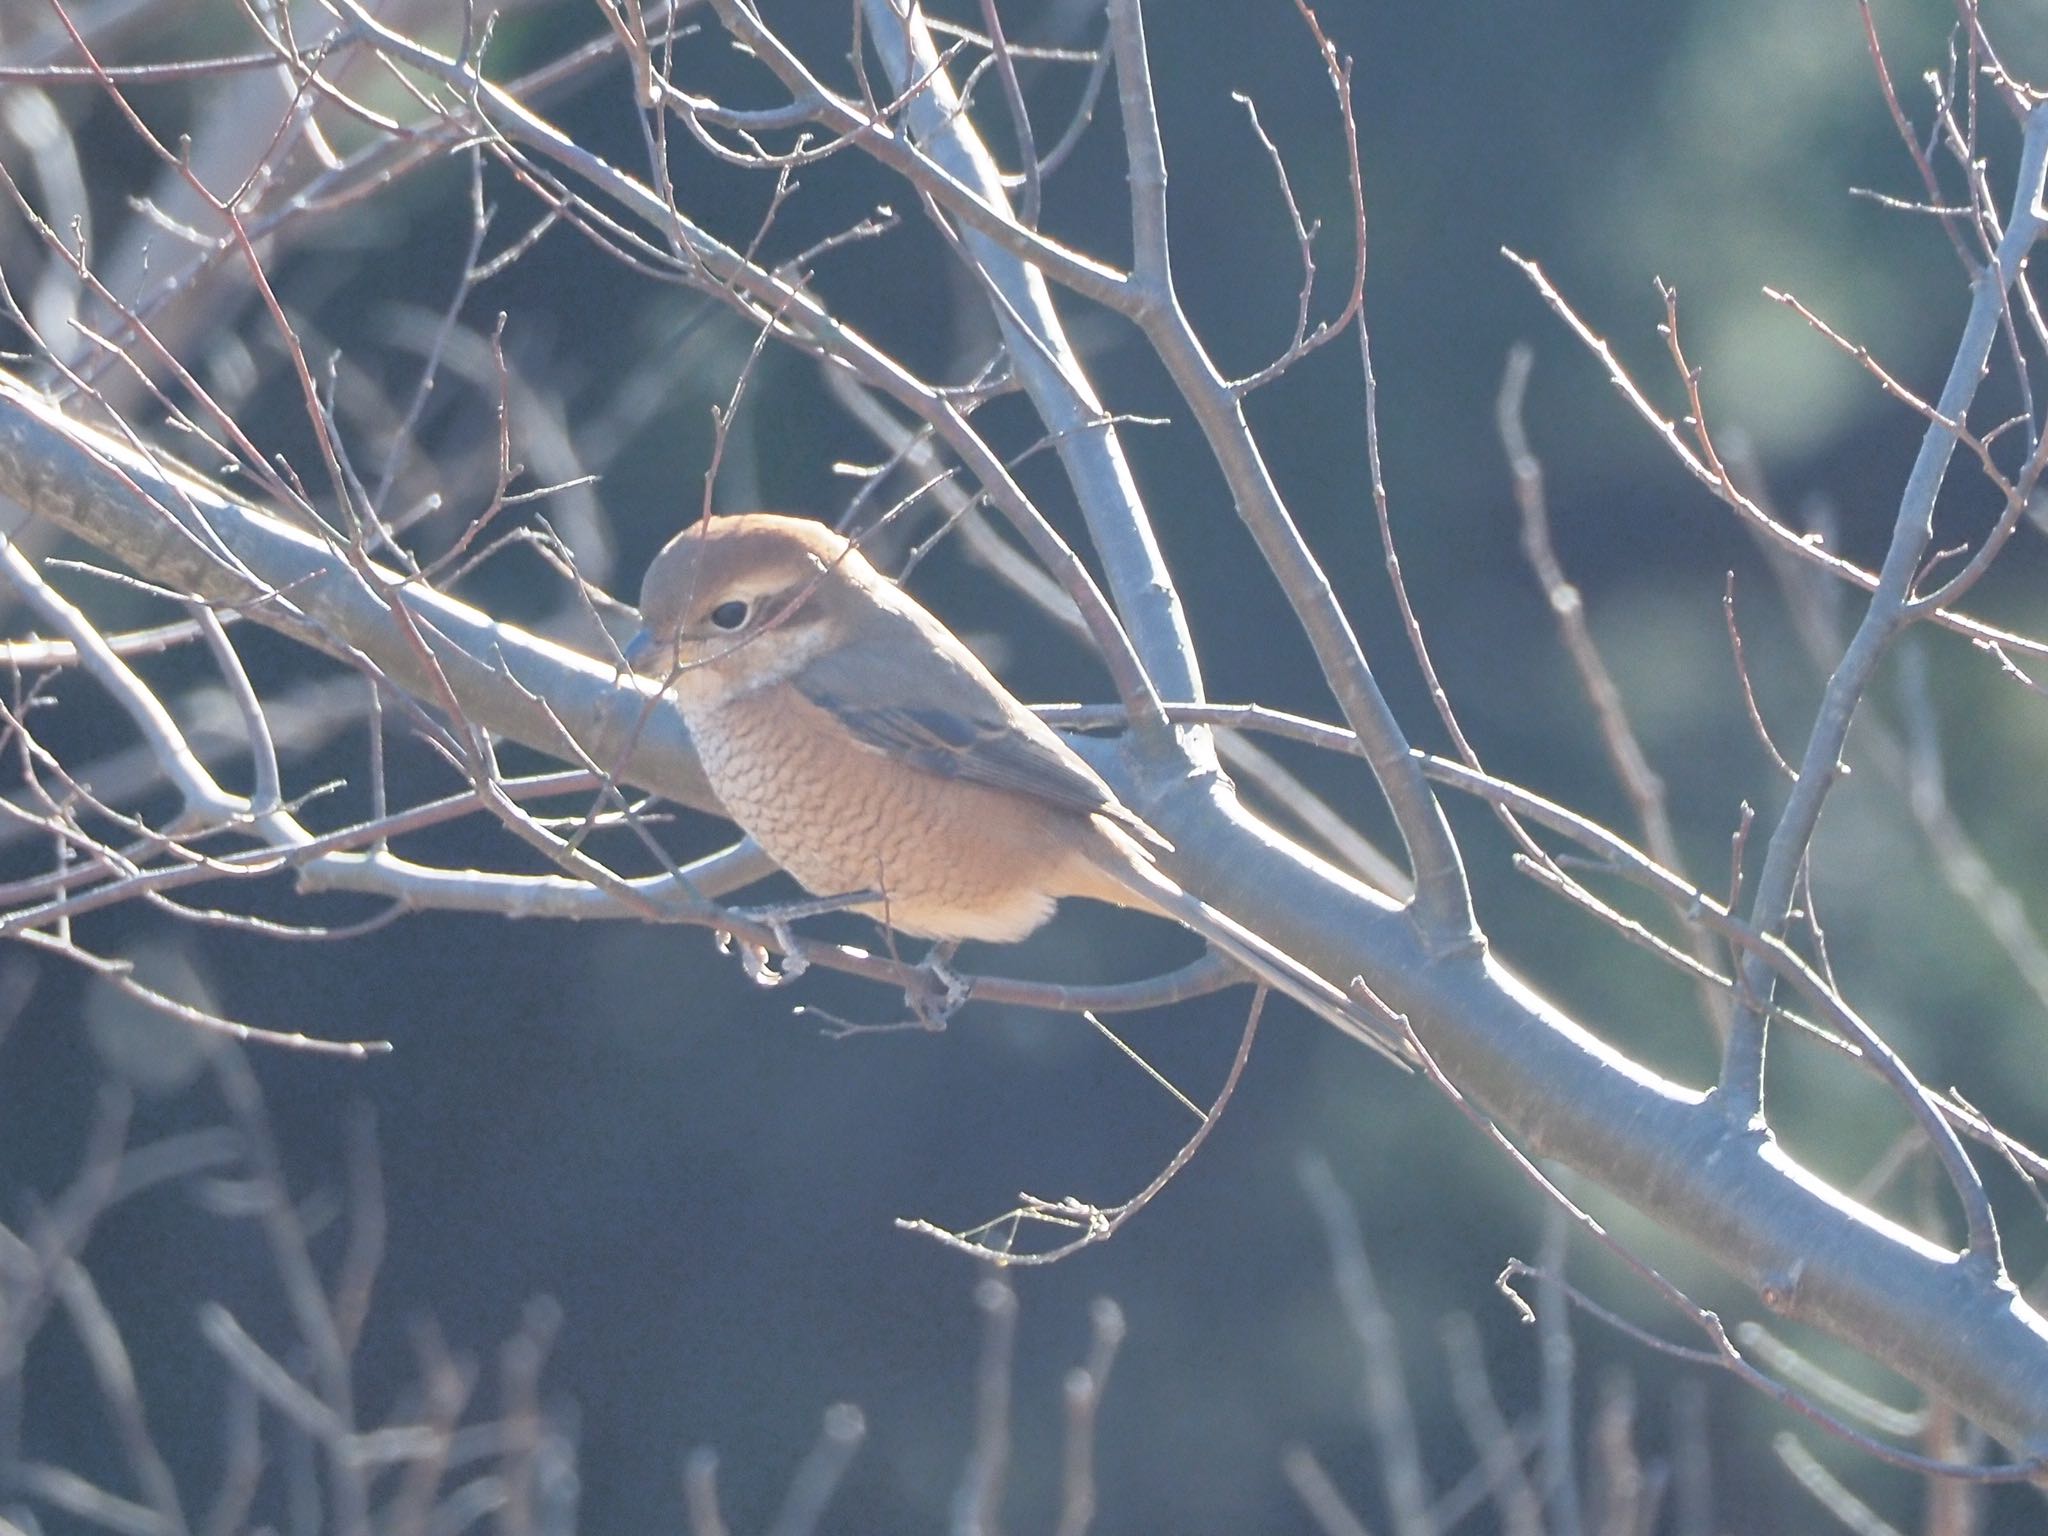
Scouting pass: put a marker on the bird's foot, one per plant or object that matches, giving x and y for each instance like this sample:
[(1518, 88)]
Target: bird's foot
[(934, 989), (759, 961), (930, 987), (762, 965)]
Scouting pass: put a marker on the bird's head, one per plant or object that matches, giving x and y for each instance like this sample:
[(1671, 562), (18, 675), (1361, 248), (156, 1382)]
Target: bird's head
[(738, 602)]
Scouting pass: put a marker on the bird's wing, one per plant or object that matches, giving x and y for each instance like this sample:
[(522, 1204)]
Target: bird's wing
[(957, 727)]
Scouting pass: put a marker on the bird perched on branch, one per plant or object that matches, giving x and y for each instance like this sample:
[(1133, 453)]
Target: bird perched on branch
[(868, 751)]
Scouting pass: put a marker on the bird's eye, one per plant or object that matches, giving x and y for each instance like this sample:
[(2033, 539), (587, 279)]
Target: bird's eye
[(729, 615)]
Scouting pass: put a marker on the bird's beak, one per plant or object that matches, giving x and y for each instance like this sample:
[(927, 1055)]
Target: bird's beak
[(640, 652)]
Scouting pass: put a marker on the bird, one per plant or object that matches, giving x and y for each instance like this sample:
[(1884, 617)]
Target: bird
[(871, 754)]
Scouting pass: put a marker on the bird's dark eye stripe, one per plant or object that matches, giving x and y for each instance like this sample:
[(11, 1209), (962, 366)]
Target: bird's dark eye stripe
[(729, 615)]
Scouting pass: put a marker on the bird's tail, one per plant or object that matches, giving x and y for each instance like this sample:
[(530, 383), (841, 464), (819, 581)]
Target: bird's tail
[(1265, 961)]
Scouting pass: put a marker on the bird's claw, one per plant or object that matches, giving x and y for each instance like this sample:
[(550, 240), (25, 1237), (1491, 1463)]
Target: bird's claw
[(758, 962), (756, 959), (934, 990)]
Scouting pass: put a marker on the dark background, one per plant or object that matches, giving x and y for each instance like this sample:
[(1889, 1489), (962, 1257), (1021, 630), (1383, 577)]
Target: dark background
[(612, 1116)]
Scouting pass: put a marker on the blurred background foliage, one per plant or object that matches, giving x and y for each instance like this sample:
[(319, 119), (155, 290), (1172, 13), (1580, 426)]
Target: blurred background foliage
[(613, 1117)]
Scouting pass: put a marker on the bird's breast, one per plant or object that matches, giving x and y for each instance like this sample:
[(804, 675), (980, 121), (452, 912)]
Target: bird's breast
[(948, 859)]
